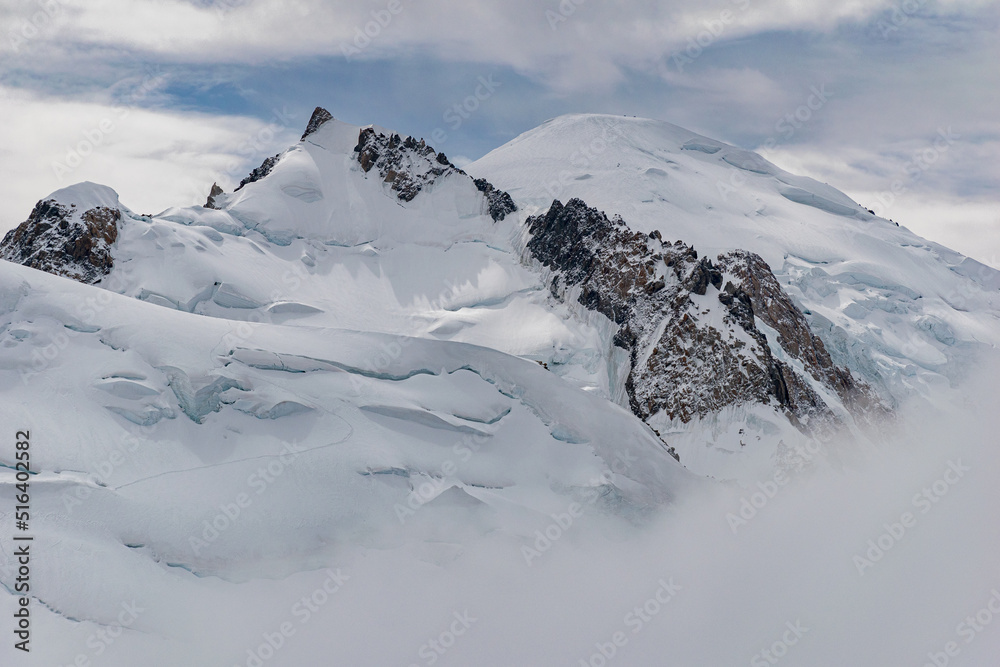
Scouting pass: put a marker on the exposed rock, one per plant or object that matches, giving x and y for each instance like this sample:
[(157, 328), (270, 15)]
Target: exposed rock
[(772, 306), (693, 341), (498, 202), (65, 241), (260, 172), (407, 165), (216, 191), (319, 116)]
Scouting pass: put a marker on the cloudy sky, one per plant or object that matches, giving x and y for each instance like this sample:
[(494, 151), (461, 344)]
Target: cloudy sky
[(159, 98)]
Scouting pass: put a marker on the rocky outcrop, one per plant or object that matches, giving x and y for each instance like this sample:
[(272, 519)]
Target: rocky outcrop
[(407, 165), (65, 241), (319, 116), (410, 166), (498, 203), (690, 325), (772, 306), (260, 172), (215, 192)]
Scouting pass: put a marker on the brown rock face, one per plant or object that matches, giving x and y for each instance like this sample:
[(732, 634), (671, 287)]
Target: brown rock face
[(773, 307), (693, 341), (64, 241), (319, 116), (216, 191)]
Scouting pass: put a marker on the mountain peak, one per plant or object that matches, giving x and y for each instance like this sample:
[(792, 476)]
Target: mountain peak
[(318, 118), (69, 233)]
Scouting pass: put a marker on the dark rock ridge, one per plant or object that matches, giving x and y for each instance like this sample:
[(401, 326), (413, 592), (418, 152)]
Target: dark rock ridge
[(498, 202), (64, 241), (409, 166), (690, 325), (260, 172), (319, 116)]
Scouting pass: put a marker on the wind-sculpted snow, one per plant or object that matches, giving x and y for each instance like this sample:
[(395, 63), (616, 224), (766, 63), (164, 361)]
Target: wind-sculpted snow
[(323, 438), (371, 230)]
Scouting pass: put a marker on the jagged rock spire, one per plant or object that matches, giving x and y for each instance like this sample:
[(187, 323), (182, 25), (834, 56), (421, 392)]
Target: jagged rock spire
[(216, 191), (319, 116)]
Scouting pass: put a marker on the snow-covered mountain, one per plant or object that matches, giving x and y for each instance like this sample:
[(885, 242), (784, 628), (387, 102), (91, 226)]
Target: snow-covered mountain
[(365, 348), (782, 310), (905, 316)]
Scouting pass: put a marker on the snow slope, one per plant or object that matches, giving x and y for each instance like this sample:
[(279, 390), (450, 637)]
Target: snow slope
[(321, 243), (324, 423), (169, 447), (905, 314)]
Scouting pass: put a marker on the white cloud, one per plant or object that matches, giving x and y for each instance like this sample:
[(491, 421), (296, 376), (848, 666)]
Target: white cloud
[(888, 95), (928, 181), (571, 43), (153, 159)]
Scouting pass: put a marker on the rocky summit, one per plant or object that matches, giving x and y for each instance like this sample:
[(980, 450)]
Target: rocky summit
[(690, 325), (407, 165), (64, 240)]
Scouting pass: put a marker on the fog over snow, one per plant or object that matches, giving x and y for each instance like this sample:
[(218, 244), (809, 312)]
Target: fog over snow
[(582, 333)]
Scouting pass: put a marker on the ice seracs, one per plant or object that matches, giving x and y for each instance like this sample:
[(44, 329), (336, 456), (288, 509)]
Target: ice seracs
[(782, 309)]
